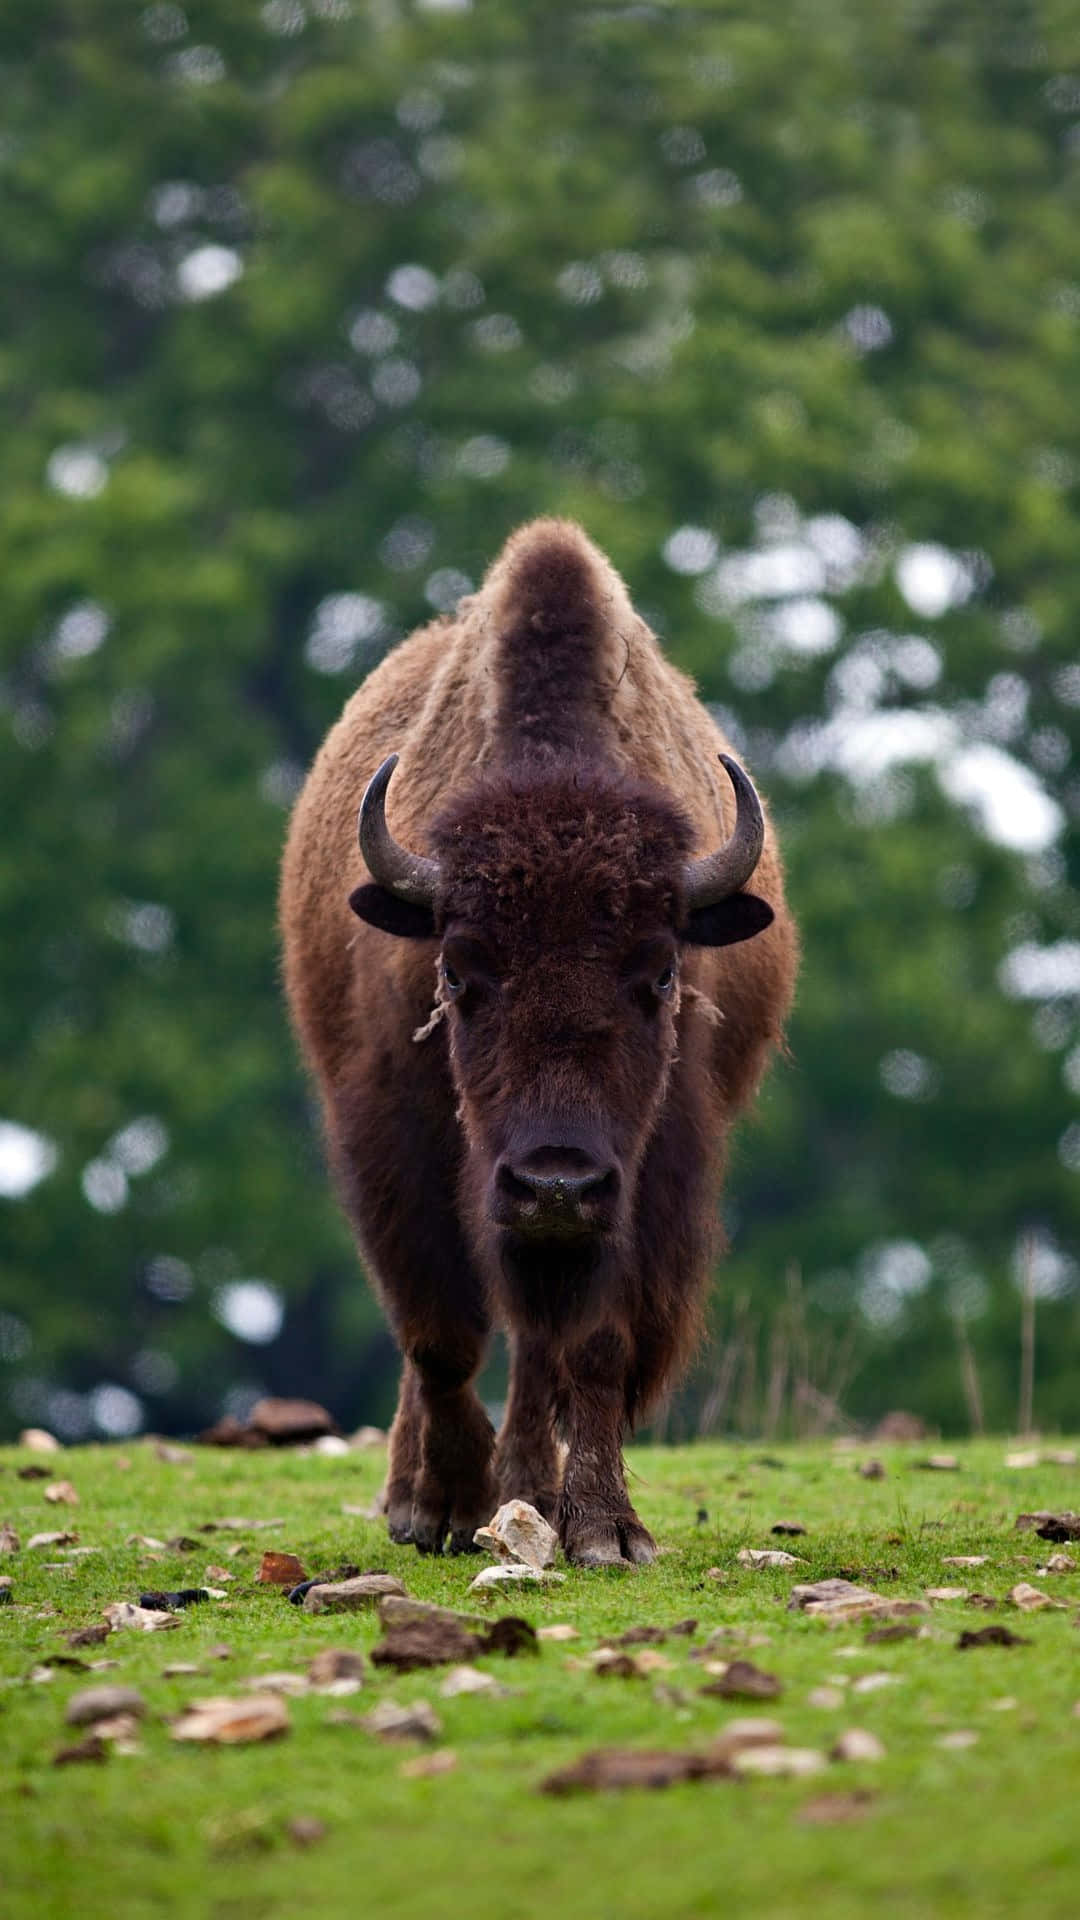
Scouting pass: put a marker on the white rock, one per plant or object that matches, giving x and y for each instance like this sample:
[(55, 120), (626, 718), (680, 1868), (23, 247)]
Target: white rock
[(562, 1630), (510, 1576), (36, 1440), (873, 1682), (330, 1444), (468, 1680), (827, 1698), (795, 1762), (955, 1742), (762, 1557), (965, 1560), (519, 1535), (1028, 1458), (857, 1744)]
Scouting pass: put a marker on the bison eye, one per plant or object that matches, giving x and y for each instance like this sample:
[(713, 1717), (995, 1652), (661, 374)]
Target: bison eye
[(664, 982), (454, 982)]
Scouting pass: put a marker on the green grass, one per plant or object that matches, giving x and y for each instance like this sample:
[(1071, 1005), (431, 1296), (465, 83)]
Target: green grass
[(990, 1830)]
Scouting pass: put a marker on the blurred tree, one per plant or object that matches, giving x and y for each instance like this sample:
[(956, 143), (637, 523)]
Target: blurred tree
[(303, 307)]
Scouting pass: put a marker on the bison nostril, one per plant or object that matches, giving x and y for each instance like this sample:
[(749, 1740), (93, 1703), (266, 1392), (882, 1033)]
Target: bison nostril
[(551, 1187), (514, 1186)]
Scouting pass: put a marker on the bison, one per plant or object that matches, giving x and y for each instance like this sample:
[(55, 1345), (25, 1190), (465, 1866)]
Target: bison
[(534, 998)]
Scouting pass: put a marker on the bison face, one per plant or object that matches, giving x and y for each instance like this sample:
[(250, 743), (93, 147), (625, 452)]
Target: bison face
[(562, 896)]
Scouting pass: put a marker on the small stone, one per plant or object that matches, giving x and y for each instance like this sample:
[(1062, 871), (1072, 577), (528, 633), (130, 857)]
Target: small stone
[(103, 1703), (1059, 1563), (331, 1446), (872, 1470), (520, 1536), (743, 1681), (1062, 1457), (1006, 1704), (335, 1664), (305, 1830), (994, 1636), (366, 1437), (122, 1613), (61, 1493), (224, 1722), (468, 1680), (389, 1721), (965, 1560), (148, 1540), (39, 1540), (874, 1682), (856, 1743), (366, 1590), (425, 1766), (939, 1463), (37, 1440), (1029, 1599), (817, 1595), (1028, 1457), (89, 1636), (92, 1747), (946, 1593), (283, 1421), (761, 1558), (752, 1730), (9, 1539), (291, 1684), (509, 1574), (562, 1630), (955, 1742), (828, 1699), (170, 1455), (180, 1670), (783, 1762)]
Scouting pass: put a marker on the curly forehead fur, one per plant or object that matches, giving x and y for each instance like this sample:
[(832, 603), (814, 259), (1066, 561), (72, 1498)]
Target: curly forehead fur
[(561, 851)]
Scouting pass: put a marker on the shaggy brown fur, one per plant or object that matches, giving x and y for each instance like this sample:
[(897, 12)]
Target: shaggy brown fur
[(561, 771)]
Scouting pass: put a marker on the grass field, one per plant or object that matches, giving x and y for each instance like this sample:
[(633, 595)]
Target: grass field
[(988, 1828)]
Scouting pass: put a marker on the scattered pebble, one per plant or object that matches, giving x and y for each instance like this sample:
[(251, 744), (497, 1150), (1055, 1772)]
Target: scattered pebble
[(37, 1440), (351, 1596), (103, 1703), (426, 1766), (1030, 1599), (783, 1762), (511, 1574), (955, 1742), (762, 1557), (518, 1535), (743, 1681), (874, 1682), (562, 1630), (389, 1721), (965, 1560), (857, 1744), (122, 1613), (826, 1698), (468, 1680)]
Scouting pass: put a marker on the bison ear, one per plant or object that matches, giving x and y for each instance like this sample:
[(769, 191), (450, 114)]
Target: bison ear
[(738, 917), (384, 910)]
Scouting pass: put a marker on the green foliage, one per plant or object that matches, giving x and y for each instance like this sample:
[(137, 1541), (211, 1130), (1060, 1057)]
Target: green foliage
[(681, 268)]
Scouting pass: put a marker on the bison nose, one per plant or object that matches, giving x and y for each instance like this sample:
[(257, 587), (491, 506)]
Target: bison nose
[(555, 1190)]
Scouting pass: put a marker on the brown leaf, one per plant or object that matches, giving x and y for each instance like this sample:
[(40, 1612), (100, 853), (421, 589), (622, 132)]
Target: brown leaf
[(744, 1681), (995, 1636), (280, 1570), (61, 1493), (835, 1809), (224, 1722)]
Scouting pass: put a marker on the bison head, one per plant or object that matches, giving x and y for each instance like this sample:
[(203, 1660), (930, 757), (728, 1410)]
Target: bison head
[(562, 898)]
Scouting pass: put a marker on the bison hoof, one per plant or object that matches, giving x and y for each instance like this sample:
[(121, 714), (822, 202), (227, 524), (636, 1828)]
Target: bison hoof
[(610, 1543), (399, 1524)]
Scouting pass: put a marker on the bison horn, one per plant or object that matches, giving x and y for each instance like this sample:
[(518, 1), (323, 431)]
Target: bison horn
[(719, 874), (408, 876)]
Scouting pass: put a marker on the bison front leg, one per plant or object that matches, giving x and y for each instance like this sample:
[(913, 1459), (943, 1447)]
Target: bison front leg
[(597, 1524), (451, 1441), (526, 1458)]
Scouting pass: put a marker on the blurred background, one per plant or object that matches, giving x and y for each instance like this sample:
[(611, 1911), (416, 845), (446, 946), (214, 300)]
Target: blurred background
[(304, 306)]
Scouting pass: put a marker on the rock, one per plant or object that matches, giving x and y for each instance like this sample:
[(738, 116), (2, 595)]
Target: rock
[(39, 1540), (61, 1493), (743, 1681), (89, 1636), (562, 1630), (9, 1539), (1059, 1563), (224, 1722), (856, 1743), (1029, 1599), (103, 1703), (965, 1560), (615, 1769), (147, 1619), (750, 1731), (284, 1422), (818, 1595), (335, 1664), (366, 1437), (353, 1596), (939, 1463), (828, 1699), (293, 1684), (468, 1680), (389, 1721), (872, 1470), (37, 1440), (401, 1610), (835, 1809), (331, 1446), (519, 1535), (93, 1747), (306, 1830), (957, 1741), (424, 1766), (994, 1636), (783, 1762), (946, 1593), (1061, 1457), (511, 1574), (1028, 1457), (231, 1432), (171, 1455), (426, 1643), (873, 1682), (761, 1558)]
